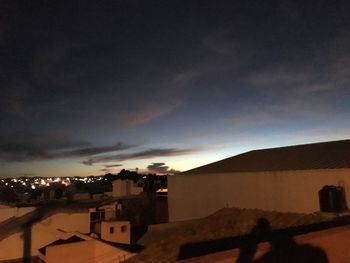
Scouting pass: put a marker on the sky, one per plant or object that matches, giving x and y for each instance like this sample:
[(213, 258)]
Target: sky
[(91, 87)]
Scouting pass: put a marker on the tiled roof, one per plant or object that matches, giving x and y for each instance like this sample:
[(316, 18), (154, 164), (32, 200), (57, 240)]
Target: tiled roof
[(325, 155), (329, 242), (164, 241)]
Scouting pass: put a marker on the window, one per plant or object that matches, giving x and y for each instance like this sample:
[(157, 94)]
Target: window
[(123, 228), (111, 230)]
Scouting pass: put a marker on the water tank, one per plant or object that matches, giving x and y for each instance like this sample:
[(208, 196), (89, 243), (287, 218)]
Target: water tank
[(332, 199)]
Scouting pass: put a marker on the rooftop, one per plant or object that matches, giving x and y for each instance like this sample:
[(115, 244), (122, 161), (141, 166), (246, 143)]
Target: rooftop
[(60, 241), (333, 243), (164, 242), (324, 155), (15, 224)]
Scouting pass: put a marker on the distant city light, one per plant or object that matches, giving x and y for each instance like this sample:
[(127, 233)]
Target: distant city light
[(39, 182)]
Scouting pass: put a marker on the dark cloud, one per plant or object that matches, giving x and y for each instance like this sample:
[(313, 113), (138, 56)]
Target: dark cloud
[(94, 150), (113, 165), (34, 147), (41, 147), (151, 153), (95, 68), (149, 71), (109, 168), (161, 168)]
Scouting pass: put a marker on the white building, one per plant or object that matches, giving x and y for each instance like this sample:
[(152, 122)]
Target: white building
[(286, 179), (125, 187), (110, 210), (82, 248), (43, 232), (116, 231)]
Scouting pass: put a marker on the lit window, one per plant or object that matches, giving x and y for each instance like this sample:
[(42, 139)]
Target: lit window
[(123, 228)]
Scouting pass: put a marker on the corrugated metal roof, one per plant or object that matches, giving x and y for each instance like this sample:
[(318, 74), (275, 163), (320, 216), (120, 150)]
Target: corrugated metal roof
[(325, 155)]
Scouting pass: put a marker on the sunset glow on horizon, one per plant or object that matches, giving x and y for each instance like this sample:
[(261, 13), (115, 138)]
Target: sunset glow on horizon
[(167, 87)]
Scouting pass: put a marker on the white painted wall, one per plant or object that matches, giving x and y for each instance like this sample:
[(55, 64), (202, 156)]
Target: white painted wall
[(198, 195), (124, 188), (8, 212), (110, 210), (45, 232), (118, 235), (90, 251)]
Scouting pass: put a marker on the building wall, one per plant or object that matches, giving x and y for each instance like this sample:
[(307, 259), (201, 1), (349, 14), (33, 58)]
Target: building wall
[(135, 190), (92, 251), (45, 232), (110, 210), (195, 196), (98, 196), (121, 231), (109, 193), (124, 188), (119, 188), (81, 196)]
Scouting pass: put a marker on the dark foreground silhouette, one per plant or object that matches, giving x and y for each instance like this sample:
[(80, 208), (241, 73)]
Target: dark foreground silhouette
[(283, 249), (283, 246)]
